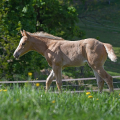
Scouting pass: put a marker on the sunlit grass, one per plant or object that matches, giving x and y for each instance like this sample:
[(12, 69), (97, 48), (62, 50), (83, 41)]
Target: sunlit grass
[(31, 103)]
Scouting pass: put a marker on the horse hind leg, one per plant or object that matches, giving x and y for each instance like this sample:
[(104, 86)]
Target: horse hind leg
[(100, 81), (50, 79), (106, 77)]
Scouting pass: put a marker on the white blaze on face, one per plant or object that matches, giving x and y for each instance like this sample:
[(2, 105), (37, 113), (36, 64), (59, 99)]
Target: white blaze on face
[(21, 41), (19, 46)]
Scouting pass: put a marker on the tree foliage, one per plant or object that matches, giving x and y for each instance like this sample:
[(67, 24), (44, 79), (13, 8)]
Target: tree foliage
[(52, 16)]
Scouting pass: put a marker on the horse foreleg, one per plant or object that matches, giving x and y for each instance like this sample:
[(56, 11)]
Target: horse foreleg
[(50, 79), (58, 74), (100, 81)]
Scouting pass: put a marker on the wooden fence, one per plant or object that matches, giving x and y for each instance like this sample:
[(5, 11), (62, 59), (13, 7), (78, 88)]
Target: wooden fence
[(64, 80)]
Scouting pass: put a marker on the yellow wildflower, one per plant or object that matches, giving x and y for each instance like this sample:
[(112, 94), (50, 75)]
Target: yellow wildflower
[(37, 84), (53, 101), (119, 94), (90, 96), (30, 74), (97, 99), (87, 93), (5, 90)]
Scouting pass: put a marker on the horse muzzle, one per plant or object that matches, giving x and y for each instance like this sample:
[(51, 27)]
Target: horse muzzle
[(16, 55)]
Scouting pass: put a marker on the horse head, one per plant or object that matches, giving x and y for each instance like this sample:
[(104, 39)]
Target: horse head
[(24, 45)]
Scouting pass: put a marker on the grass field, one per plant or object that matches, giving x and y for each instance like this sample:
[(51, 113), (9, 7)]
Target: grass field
[(31, 103)]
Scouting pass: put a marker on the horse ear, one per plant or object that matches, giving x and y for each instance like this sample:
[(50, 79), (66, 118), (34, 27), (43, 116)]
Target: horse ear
[(25, 33), (21, 33)]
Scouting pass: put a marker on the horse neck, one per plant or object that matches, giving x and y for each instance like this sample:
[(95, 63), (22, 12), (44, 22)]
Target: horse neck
[(40, 44)]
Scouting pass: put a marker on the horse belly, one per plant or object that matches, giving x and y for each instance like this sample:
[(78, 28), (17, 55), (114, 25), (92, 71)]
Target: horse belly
[(74, 62), (72, 54)]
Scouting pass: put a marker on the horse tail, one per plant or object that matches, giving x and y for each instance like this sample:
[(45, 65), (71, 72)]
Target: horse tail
[(110, 51)]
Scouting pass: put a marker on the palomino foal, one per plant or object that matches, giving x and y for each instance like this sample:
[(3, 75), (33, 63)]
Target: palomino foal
[(61, 53)]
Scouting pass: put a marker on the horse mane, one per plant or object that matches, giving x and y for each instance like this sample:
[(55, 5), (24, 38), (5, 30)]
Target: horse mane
[(46, 35)]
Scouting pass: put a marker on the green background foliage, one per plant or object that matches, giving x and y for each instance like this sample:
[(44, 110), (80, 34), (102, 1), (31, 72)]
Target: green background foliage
[(52, 16)]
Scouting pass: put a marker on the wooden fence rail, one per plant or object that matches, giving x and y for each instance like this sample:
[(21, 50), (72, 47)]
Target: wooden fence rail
[(65, 80), (43, 81)]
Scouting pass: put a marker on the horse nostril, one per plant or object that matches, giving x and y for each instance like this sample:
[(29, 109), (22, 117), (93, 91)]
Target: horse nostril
[(16, 55)]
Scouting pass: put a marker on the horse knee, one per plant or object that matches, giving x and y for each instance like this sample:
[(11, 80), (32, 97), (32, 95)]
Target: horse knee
[(59, 84), (49, 81), (100, 82), (109, 80), (100, 85)]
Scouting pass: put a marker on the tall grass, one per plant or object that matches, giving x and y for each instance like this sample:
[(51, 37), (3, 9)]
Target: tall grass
[(32, 103)]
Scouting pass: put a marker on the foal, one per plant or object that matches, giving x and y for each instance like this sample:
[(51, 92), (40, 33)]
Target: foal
[(61, 53)]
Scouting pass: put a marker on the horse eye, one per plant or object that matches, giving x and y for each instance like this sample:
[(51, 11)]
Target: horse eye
[(23, 43)]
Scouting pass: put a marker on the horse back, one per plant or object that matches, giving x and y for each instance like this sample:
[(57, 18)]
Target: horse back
[(75, 53)]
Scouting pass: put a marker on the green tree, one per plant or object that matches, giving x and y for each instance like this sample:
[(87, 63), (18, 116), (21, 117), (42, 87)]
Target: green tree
[(52, 16)]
